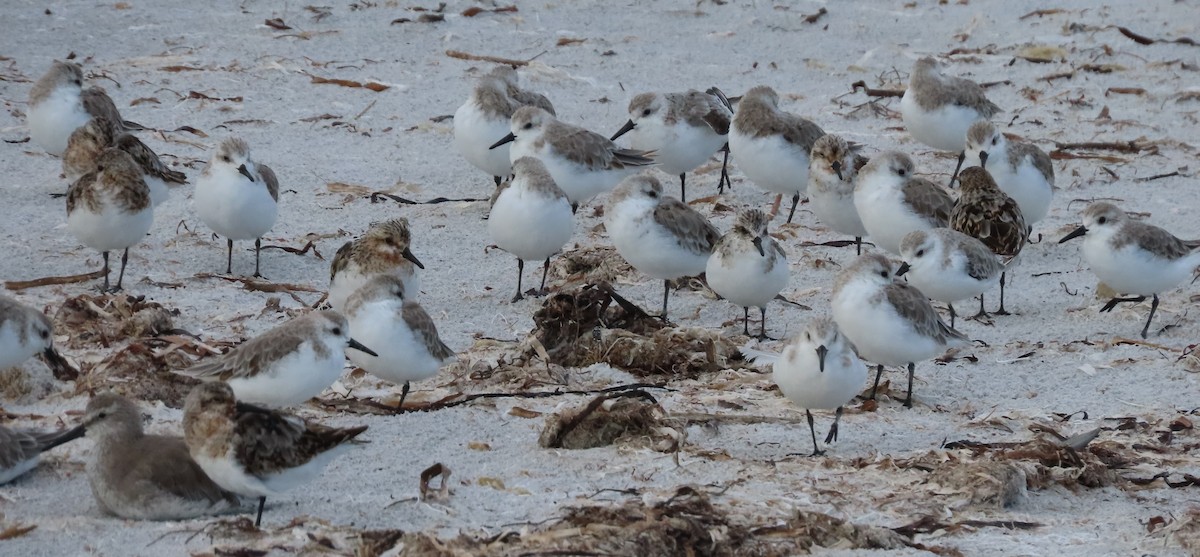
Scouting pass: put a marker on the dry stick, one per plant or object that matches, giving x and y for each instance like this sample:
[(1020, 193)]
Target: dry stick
[(484, 58), (405, 201), (1120, 146), (49, 281), (1142, 39), (854, 87), (299, 251), (1157, 177), (264, 286), (814, 17)]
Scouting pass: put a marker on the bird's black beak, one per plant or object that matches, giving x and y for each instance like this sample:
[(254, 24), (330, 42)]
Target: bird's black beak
[(983, 158), (903, 269), (837, 168), (68, 435), (629, 125), (1074, 234), (246, 172), (757, 241), (821, 352), (359, 346), (408, 254), (506, 139)]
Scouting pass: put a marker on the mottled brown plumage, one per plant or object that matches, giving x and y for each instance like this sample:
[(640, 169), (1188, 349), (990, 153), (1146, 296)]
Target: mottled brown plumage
[(985, 212), (116, 178)]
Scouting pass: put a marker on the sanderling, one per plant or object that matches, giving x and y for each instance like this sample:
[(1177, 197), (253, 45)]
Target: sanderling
[(25, 331), (109, 208), (892, 201), (405, 337), (985, 212), (20, 449), (772, 146), (1022, 170), (531, 218), (937, 109), (385, 248), (1133, 257), (819, 370), (832, 172), (237, 197), (583, 163), (949, 266), (748, 267), (660, 236), (58, 105), (487, 115), (91, 139), (145, 477), (890, 323), (682, 129), (286, 365), (254, 451)]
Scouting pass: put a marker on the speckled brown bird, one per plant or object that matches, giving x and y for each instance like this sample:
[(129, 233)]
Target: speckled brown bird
[(985, 212)]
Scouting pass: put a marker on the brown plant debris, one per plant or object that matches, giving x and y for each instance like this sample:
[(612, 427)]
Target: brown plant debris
[(476, 10), (276, 23), (442, 492), (50, 281), (983, 484), (591, 264), (1142, 39), (594, 324), (141, 373), (627, 416), (860, 84), (103, 320), (813, 18), (374, 86), (484, 58), (255, 285)]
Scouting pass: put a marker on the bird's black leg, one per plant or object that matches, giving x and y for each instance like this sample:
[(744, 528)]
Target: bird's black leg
[(795, 201), (912, 368), (498, 180), (833, 430), (952, 314), (762, 331), (520, 271), (121, 275), (962, 156), (982, 314), (262, 502), (683, 187), (105, 254), (545, 271), (724, 181), (666, 296), (1002, 311), (746, 321), (229, 256), (1153, 306), (875, 386), (858, 245), (812, 429), (257, 252), (403, 395)]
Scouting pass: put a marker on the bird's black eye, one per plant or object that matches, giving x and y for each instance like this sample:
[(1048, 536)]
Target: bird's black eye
[(102, 415), (1102, 220), (646, 112), (652, 193), (528, 125), (45, 334), (336, 330), (883, 274), (902, 172), (225, 158), (995, 140), (920, 252), (79, 82), (807, 336)]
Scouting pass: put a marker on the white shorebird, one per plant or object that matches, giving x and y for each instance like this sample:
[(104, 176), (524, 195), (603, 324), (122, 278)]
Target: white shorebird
[(237, 197), (1133, 257), (583, 163), (682, 130), (890, 323), (1022, 170), (772, 146), (531, 218), (937, 109), (109, 208), (58, 105), (487, 115), (949, 266), (748, 267), (408, 347), (286, 365), (833, 170), (24, 332), (660, 236), (893, 202), (818, 370), (254, 451)]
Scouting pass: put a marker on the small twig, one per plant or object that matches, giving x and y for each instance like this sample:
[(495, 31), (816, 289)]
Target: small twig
[(405, 201), (484, 58), (299, 251), (860, 84), (364, 111), (1157, 177), (1142, 39), (255, 285), (814, 17), (50, 281)]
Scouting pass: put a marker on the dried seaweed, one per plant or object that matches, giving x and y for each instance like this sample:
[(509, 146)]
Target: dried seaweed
[(103, 320), (139, 372), (628, 417)]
